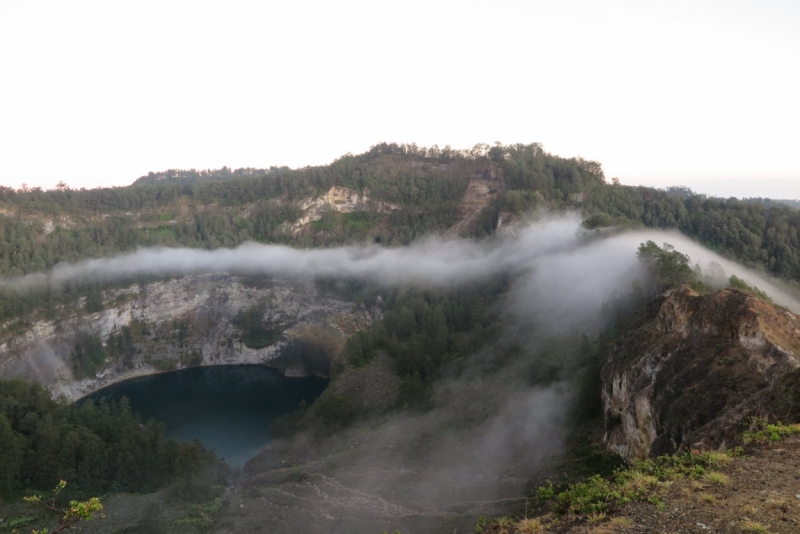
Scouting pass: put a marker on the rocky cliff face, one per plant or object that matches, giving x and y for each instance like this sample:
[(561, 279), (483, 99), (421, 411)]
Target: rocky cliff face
[(179, 323), (341, 199), (484, 186), (690, 370)]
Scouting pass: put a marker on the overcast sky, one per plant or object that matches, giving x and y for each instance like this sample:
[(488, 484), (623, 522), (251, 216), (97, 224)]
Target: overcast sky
[(699, 93)]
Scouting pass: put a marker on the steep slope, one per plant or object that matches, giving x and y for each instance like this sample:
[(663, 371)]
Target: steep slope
[(484, 187), (691, 369)]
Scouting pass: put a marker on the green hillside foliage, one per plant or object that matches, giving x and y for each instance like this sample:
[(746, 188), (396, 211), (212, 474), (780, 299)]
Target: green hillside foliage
[(87, 355), (424, 187), (427, 334), (737, 283), (179, 176), (424, 330), (758, 236), (668, 267), (256, 333), (97, 447), (49, 302)]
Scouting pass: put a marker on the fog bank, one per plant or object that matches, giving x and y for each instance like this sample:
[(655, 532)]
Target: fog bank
[(572, 266)]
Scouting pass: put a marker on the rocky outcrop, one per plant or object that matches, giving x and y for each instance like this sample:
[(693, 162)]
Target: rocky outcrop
[(341, 199), (179, 323), (508, 224), (690, 370), (484, 186)]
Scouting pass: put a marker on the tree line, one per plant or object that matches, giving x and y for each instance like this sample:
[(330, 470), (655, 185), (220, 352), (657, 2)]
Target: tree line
[(425, 185), (97, 447)]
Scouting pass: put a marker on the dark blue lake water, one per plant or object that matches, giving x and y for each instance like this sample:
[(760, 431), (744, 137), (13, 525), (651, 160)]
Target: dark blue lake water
[(228, 408)]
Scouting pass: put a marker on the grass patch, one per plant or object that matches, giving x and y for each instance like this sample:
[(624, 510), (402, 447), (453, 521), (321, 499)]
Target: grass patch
[(191, 358), (715, 477), (122, 298), (708, 498), (644, 481), (20, 522), (200, 517), (20, 326), (761, 430), (596, 518), (256, 333), (529, 526), (722, 458), (88, 355), (358, 223), (328, 222), (620, 521), (161, 234), (737, 283), (753, 526)]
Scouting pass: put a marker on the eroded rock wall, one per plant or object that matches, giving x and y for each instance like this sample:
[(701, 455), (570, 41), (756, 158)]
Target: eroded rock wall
[(179, 323), (691, 369)]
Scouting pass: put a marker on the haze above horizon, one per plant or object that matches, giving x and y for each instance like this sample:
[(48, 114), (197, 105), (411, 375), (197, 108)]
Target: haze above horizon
[(701, 94)]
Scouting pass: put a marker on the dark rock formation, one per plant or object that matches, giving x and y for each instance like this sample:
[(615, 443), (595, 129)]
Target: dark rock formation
[(690, 370)]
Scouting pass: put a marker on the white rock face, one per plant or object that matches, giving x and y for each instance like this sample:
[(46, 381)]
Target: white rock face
[(341, 199), (187, 321)]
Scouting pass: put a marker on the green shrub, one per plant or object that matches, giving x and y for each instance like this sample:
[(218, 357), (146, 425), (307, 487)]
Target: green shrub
[(201, 517), (256, 333), (762, 430), (336, 411), (737, 283), (87, 355), (639, 482)]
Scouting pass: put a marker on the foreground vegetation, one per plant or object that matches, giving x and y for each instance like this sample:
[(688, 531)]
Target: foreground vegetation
[(96, 447), (603, 502)]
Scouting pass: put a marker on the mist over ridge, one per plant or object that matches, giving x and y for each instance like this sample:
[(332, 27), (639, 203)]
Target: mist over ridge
[(573, 266)]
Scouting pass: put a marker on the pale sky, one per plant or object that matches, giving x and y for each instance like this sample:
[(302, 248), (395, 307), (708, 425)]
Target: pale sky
[(699, 93)]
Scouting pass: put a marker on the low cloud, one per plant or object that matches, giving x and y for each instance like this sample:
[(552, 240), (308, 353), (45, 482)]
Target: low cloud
[(566, 266), (429, 262)]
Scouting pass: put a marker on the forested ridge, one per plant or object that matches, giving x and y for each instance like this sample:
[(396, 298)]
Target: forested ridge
[(424, 188), (212, 209)]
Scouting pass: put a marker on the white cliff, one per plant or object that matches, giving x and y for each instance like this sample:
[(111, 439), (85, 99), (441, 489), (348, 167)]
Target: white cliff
[(175, 324)]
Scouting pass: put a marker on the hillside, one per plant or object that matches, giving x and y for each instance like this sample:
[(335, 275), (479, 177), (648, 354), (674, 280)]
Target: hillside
[(688, 390), (391, 195), (518, 344)]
